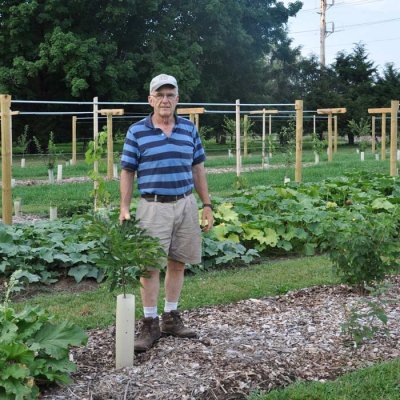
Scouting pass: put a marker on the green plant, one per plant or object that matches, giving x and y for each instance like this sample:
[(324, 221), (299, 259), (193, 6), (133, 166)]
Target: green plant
[(117, 157), (206, 132), (229, 127), (34, 349), (363, 145), (318, 145), (270, 144), (51, 154), (44, 251), (23, 141), (226, 252), (125, 252), (287, 133), (364, 319), (287, 140), (363, 247), (73, 208), (240, 182), (93, 155), (361, 128)]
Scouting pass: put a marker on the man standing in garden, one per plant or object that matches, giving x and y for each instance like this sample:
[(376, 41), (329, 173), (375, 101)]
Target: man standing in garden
[(166, 154)]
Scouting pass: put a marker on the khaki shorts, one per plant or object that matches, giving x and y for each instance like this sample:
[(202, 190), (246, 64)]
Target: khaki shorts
[(177, 226)]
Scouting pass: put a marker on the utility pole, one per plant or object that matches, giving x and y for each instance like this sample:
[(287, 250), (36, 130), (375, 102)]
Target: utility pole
[(323, 32)]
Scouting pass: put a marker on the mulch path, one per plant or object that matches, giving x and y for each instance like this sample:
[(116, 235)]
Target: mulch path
[(253, 344)]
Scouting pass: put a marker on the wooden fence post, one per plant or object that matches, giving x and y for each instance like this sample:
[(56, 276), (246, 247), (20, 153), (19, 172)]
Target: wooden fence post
[(314, 125), (299, 138), (245, 124), (110, 155), (393, 137), (264, 112), (238, 161), (383, 112), (263, 141), (95, 132), (5, 104), (74, 119), (330, 112), (335, 134), (373, 133), (193, 114), (383, 137)]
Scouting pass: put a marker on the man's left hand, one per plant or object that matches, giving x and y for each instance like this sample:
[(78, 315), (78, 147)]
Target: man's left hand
[(207, 219)]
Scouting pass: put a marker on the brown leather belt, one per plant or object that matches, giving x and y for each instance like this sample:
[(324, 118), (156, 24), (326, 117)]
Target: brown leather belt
[(163, 198)]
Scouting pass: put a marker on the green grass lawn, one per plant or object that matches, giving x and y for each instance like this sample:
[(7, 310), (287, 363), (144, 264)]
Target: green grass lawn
[(379, 382), (97, 308)]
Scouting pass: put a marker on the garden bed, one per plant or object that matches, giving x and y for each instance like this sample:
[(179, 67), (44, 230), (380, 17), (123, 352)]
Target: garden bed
[(255, 343)]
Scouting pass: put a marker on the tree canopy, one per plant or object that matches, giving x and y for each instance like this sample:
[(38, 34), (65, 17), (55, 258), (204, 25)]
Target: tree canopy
[(219, 50), (57, 50)]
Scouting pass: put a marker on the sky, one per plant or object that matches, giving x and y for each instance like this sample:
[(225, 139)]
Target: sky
[(375, 23)]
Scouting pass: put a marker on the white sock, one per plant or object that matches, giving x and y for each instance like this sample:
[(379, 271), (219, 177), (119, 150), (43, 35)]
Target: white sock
[(150, 312), (170, 306)]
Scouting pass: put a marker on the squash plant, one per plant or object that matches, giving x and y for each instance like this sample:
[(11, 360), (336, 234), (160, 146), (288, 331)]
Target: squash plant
[(34, 349)]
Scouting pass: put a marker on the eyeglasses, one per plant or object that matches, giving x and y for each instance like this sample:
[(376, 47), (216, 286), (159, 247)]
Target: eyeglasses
[(169, 96)]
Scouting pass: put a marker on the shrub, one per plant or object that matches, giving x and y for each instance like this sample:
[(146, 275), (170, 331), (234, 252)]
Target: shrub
[(363, 248)]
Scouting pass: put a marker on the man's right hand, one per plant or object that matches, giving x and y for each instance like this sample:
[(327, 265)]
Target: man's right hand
[(124, 216)]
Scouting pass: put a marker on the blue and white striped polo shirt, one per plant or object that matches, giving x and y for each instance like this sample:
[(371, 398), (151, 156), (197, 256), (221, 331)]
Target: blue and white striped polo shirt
[(163, 164)]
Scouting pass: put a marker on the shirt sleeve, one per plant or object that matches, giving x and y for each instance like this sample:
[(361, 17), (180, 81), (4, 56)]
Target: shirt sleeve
[(198, 150), (130, 151)]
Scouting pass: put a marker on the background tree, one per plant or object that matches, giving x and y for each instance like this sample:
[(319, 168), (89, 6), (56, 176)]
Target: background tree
[(387, 86), (356, 77)]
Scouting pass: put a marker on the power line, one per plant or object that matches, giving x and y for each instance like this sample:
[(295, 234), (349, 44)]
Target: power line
[(346, 27), (343, 4)]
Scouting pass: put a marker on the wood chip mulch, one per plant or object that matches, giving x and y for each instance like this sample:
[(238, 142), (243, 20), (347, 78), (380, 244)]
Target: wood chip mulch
[(253, 344)]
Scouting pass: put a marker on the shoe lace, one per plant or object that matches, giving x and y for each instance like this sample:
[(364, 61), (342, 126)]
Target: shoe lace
[(177, 319), (146, 328)]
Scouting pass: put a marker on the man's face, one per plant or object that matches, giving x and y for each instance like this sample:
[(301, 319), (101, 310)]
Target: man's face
[(164, 101)]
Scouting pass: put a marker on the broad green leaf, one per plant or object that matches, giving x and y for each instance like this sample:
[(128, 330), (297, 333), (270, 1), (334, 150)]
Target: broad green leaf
[(234, 237), (270, 238), (55, 339), (250, 233), (309, 249), (81, 271), (3, 265), (25, 274), (45, 254), (16, 352), (220, 231), (5, 237), (61, 257), (8, 330), (16, 371), (382, 204), (225, 212)]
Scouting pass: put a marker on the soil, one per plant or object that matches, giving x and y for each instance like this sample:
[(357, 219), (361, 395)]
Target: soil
[(253, 344)]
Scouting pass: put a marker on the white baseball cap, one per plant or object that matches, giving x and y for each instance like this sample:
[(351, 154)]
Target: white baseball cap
[(161, 80)]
